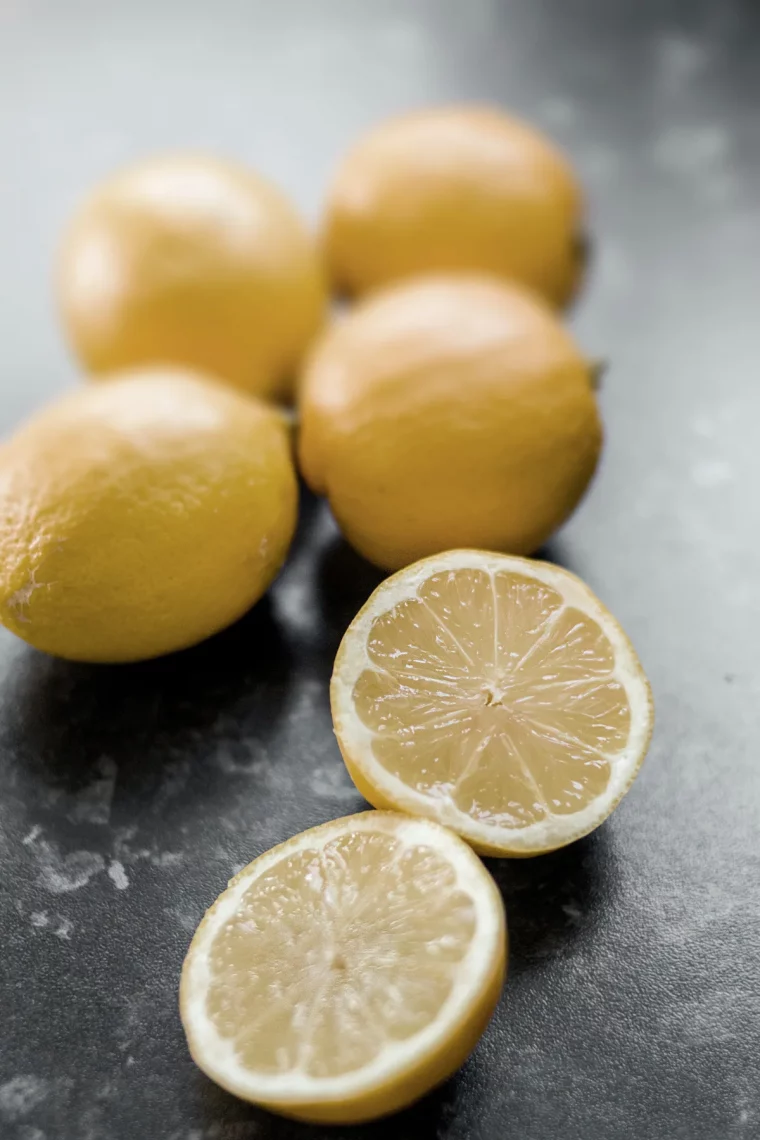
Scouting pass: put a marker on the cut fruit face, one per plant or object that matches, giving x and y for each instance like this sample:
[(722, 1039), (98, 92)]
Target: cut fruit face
[(494, 694), (344, 973)]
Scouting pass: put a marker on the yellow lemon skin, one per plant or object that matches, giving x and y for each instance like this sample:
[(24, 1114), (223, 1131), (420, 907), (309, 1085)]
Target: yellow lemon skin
[(141, 516), (448, 412), (455, 188), (190, 260)]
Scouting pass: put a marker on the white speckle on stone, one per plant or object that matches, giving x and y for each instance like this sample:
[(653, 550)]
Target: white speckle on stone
[(573, 912), (20, 1095), (58, 925), (93, 803), (64, 929), (232, 1130), (127, 855), (187, 921), (293, 602), (166, 859), (118, 875), (129, 1061), (33, 835), (61, 874), (333, 782), (712, 473)]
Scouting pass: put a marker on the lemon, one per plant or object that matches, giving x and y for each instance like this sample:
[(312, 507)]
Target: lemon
[(142, 515), (445, 412), (455, 188), (495, 695), (344, 973), (190, 260)]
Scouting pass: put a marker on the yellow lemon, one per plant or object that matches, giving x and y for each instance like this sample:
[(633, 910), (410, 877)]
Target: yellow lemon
[(448, 412), (348, 971), (495, 695), (194, 261), (142, 515), (455, 188)]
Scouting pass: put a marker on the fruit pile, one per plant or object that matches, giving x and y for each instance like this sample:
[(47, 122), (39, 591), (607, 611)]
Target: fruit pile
[(484, 702)]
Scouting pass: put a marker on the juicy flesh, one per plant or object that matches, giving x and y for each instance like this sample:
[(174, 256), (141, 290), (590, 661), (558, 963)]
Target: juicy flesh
[(336, 953), (487, 689)]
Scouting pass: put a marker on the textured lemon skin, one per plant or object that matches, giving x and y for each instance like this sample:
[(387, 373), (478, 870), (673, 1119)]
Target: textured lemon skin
[(142, 515), (455, 188), (190, 260), (361, 773), (432, 1068), (448, 412)]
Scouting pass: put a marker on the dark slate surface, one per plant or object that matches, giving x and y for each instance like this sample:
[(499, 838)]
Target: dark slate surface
[(129, 795)]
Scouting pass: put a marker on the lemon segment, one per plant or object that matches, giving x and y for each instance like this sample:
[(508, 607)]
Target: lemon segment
[(494, 694), (344, 973)]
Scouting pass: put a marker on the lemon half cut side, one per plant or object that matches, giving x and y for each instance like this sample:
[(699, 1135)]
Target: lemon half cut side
[(346, 972), (495, 695)]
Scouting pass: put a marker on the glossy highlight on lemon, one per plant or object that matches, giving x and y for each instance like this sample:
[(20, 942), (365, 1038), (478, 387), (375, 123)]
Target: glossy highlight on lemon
[(191, 260), (347, 971), (465, 189), (141, 515), (495, 695), (447, 412)]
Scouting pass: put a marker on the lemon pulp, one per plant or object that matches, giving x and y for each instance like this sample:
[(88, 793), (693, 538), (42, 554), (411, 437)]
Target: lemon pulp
[(487, 689), (373, 938)]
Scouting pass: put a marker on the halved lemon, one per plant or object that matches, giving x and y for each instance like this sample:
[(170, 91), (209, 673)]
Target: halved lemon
[(346, 972), (495, 695)]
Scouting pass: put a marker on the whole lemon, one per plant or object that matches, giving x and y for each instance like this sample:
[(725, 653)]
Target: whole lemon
[(448, 412), (194, 261), (455, 188), (142, 515)]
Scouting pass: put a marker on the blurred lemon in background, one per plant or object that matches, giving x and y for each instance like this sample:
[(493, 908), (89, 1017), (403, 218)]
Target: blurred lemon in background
[(445, 412), (458, 188), (194, 261), (141, 516)]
